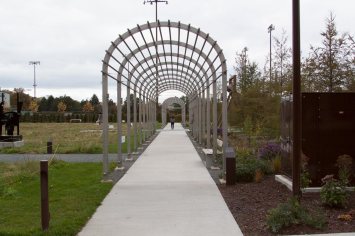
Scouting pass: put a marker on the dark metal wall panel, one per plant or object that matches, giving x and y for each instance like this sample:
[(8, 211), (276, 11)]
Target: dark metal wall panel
[(328, 131)]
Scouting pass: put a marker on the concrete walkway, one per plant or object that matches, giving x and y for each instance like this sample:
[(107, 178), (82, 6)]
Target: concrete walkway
[(168, 191)]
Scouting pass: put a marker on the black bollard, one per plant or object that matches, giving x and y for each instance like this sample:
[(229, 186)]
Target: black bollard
[(44, 195), (230, 166), (49, 147)]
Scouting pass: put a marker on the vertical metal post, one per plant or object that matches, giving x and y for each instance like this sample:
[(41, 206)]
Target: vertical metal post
[(190, 114), (203, 114), (156, 58), (162, 115), (224, 114), (119, 123), (105, 123), (184, 114), (208, 116), (45, 216), (140, 120), (34, 63), (34, 80), (199, 119), (297, 116), (128, 121), (144, 118), (214, 118), (270, 29), (135, 120)]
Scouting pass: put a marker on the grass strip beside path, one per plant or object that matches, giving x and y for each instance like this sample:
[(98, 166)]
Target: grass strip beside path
[(75, 191)]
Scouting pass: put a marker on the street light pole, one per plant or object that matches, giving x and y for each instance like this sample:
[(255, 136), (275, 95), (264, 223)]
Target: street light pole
[(156, 46), (34, 63), (270, 29)]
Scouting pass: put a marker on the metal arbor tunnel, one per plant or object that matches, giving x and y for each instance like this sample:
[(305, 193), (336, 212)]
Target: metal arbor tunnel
[(168, 102), (181, 57)]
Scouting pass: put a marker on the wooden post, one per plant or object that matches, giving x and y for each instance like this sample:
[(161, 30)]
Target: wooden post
[(44, 195)]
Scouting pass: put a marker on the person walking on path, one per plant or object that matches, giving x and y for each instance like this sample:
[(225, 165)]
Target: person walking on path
[(172, 120)]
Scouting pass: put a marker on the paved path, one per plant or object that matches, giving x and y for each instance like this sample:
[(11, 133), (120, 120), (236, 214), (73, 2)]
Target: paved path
[(168, 191)]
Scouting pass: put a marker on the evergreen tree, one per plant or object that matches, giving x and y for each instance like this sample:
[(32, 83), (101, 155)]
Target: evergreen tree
[(331, 67), (94, 100), (247, 72)]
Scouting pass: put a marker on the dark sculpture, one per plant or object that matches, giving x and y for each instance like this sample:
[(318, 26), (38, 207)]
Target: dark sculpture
[(10, 120)]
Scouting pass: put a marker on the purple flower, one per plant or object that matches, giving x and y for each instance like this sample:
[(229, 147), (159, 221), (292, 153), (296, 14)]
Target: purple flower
[(269, 151)]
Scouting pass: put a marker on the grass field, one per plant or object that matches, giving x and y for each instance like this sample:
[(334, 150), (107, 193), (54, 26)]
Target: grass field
[(75, 191), (66, 137)]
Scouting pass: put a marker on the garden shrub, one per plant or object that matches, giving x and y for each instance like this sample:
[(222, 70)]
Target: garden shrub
[(305, 179), (269, 151), (244, 153), (333, 192), (344, 164), (248, 166), (292, 213)]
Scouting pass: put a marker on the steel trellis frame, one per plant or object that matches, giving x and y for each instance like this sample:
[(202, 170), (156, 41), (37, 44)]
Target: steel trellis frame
[(192, 71)]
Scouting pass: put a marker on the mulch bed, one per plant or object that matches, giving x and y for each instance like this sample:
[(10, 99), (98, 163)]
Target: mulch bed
[(250, 202)]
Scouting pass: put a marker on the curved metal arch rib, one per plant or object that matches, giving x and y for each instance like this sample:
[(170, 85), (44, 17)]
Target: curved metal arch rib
[(174, 55), (178, 65)]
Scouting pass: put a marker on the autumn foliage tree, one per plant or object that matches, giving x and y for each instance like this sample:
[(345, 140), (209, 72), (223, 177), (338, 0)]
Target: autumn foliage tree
[(33, 106), (88, 107), (61, 106)]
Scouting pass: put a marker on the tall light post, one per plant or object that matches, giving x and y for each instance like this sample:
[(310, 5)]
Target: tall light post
[(156, 46), (270, 29), (34, 63)]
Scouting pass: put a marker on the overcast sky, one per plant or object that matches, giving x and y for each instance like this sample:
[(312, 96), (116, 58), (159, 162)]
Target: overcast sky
[(69, 37)]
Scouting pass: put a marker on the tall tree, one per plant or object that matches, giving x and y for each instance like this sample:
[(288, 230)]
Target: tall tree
[(25, 98), (331, 67), (88, 107), (247, 72), (62, 107), (94, 100), (282, 64), (33, 106)]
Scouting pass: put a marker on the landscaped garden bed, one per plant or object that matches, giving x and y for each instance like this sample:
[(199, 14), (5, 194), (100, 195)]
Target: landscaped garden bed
[(251, 202), (263, 206)]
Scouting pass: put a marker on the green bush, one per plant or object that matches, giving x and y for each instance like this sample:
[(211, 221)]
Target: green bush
[(333, 193), (305, 179), (292, 213), (248, 165)]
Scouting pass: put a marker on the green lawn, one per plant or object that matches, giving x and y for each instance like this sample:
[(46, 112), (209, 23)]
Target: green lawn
[(75, 191), (66, 137)]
